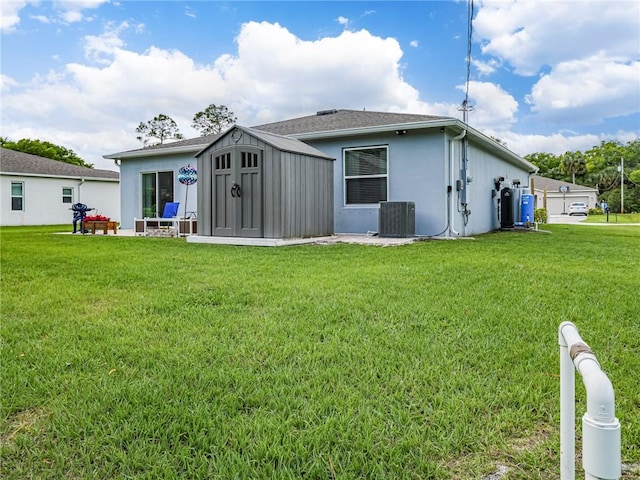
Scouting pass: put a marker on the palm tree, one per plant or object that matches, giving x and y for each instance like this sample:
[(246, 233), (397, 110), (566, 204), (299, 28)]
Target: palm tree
[(573, 162)]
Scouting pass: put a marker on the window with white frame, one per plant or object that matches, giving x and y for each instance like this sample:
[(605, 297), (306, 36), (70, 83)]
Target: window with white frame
[(157, 190), (17, 196), (365, 175), (67, 195)]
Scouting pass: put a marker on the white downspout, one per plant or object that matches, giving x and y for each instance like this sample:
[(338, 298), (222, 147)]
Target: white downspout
[(82, 180), (601, 450), (452, 182)]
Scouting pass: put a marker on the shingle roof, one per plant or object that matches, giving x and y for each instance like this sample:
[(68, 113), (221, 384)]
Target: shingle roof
[(15, 162), (196, 143), (325, 121), (553, 185), (331, 120)]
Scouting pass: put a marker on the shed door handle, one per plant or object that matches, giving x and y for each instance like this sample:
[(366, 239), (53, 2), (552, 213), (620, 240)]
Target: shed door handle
[(236, 191)]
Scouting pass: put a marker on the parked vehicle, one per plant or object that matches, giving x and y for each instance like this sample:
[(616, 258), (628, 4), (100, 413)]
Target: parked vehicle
[(578, 208)]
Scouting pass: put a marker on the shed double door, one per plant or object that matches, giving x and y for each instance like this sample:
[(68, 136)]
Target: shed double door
[(237, 193)]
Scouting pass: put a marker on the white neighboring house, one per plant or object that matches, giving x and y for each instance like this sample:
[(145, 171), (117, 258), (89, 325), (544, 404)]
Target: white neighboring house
[(556, 195), (39, 191)]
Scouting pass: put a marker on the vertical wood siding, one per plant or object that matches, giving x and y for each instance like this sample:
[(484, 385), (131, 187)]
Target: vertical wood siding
[(297, 191)]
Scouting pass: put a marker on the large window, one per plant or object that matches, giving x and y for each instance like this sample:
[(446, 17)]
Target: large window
[(365, 175), (17, 196), (67, 195), (157, 190)]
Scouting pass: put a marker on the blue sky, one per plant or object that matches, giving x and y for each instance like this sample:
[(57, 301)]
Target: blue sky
[(545, 76)]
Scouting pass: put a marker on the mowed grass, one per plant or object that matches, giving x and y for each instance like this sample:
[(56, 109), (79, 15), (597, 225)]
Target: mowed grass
[(154, 358), (614, 218)]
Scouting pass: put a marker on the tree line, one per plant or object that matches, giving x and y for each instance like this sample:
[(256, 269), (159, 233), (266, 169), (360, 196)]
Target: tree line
[(213, 119), (601, 168)]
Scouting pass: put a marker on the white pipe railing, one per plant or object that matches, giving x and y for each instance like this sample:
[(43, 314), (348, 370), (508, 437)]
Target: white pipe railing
[(601, 454)]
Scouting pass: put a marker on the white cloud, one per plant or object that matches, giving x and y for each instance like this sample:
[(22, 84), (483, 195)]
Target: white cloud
[(557, 143), (588, 90), (9, 14), (414, 43), (273, 75), (529, 35), (6, 83), (493, 107), (588, 52), (70, 11), (344, 21), (485, 68)]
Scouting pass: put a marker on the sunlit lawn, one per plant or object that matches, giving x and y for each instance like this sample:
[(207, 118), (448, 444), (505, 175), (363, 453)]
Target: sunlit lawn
[(614, 218), (155, 358)]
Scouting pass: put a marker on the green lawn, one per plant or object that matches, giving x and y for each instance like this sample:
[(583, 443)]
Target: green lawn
[(153, 358), (614, 218)]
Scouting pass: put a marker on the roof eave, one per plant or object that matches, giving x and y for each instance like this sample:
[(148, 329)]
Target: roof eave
[(154, 152), (348, 132), (440, 123), (66, 177)]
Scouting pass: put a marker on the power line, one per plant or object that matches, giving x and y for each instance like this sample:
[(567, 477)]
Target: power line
[(466, 107)]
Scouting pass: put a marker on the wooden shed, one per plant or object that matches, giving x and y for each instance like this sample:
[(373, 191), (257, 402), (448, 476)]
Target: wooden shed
[(261, 185)]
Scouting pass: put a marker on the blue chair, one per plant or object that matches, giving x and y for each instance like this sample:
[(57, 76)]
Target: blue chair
[(168, 223), (170, 210)]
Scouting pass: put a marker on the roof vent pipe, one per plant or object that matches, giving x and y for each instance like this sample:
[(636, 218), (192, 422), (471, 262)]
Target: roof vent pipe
[(326, 112)]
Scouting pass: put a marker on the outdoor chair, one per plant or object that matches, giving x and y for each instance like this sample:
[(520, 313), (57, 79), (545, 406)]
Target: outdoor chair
[(166, 225)]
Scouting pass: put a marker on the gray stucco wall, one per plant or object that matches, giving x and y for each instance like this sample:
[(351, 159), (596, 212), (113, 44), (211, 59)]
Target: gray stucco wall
[(131, 171), (484, 167), (418, 171)]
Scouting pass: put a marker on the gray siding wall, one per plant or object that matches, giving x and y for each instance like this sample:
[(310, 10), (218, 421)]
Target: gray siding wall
[(297, 191), (131, 171)]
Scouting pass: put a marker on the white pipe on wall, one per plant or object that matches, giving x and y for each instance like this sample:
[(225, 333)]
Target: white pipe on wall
[(452, 186), (601, 449)]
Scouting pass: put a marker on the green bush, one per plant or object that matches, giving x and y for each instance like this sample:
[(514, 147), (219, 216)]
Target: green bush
[(595, 211), (540, 215)]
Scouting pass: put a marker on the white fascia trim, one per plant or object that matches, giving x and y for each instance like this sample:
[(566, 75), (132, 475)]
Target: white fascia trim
[(508, 154), (195, 148), (64, 177), (376, 129)]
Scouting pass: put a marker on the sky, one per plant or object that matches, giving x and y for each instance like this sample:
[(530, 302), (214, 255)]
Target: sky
[(543, 76)]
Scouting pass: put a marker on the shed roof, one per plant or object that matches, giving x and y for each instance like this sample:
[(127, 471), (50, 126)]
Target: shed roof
[(20, 163), (280, 142), (553, 185)]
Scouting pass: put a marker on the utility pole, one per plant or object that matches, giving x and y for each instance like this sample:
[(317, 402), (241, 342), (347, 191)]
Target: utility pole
[(622, 185)]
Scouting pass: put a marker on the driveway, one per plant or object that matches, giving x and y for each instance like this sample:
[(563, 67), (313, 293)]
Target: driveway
[(567, 219)]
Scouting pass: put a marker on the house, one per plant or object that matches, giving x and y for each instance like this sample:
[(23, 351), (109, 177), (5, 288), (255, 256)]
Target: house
[(450, 173), (556, 196), (40, 191)]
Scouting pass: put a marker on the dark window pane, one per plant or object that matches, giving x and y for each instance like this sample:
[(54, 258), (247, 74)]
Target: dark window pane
[(16, 203), (165, 188), (371, 161), (366, 190), (149, 195)]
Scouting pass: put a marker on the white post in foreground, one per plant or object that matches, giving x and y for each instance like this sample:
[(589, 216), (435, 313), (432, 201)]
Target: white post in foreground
[(601, 454)]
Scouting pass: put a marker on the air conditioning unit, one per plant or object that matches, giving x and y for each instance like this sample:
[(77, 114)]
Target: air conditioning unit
[(397, 219)]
